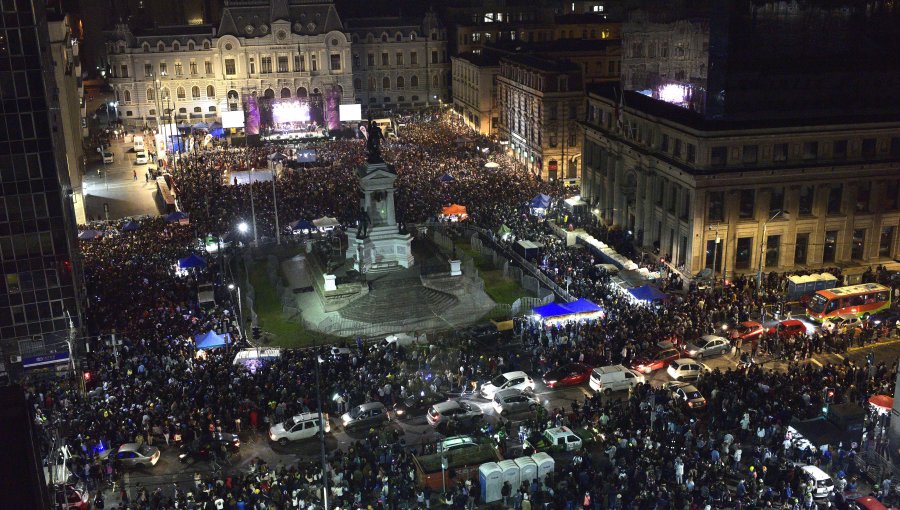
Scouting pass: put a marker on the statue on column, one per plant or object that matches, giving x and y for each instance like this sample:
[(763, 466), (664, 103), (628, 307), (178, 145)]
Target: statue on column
[(373, 143)]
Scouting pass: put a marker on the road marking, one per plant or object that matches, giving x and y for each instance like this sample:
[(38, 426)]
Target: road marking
[(872, 346), (814, 360), (840, 357)]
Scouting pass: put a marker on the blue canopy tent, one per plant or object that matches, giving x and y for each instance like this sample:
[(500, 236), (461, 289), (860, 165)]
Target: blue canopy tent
[(211, 340), (200, 126), (216, 130), (539, 204), (89, 235), (278, 157), (176, 216), (131, 226), (582, 306), (551, 310), (648, 293), (302, 225), (192, 260), (446, 178)]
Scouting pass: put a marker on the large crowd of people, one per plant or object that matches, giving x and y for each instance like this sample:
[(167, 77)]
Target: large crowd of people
[(157, 388)]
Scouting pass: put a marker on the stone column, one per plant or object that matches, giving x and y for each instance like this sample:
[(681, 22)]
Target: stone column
[(391, 220)]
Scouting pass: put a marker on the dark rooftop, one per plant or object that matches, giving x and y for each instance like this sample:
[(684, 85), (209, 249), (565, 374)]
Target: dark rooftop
[(541, 63), (175, 30), (483, 59)]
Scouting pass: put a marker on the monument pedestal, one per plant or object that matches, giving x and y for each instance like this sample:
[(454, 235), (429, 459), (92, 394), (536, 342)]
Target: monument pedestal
[(382, 250)]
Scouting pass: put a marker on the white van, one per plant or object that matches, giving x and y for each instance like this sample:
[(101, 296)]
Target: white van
[(302, 426), (614, 378), (138, 143), (820, 482)]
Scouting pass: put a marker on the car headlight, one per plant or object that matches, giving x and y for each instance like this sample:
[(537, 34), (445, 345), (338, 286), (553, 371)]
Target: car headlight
[(551, 382), (400, 411)]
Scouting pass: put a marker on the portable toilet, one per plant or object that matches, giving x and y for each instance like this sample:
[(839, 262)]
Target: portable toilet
[(490, 475), (545, 464), (527, 469), (509, 472)]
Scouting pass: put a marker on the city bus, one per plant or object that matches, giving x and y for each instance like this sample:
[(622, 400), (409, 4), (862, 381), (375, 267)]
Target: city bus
[(861, 300)]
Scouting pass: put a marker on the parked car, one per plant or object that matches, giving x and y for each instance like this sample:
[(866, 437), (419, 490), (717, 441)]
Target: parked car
[(867, 503), (787, 329), (69, 497), (840, 323), (706, 346), (687, 394), (746, 331), (455, 443), (686, 369), (365, 415), (570, 374), (416, 404), (137, 455), (614, 378), (518, 379), (889, 317), (659, 359), (108, 157), (512, 401), (302, 426), (460, 410), (141, 157), (556, 439), (821, 483)]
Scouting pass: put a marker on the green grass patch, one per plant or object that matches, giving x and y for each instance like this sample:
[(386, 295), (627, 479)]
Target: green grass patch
[(277, 330), (500, 288)]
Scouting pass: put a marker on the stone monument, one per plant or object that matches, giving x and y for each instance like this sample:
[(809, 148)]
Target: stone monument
[(377, 244)]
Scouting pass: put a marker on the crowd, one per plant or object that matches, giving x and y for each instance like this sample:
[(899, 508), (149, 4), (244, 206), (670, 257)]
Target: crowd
[(154, 388)]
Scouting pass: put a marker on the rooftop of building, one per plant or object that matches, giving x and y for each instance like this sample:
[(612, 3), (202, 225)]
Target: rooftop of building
[(174, 30), (482, 59), (382, 22), (557, 46), (693, 120), (585, 18), (540, 63)]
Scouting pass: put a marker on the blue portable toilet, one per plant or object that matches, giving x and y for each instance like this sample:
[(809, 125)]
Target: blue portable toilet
[(489, 474)]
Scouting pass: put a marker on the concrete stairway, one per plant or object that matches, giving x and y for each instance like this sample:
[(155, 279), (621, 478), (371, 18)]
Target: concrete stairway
[(401, 297)]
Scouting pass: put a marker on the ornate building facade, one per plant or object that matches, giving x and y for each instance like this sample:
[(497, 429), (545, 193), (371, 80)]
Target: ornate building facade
[(399, 63), (277, 48)]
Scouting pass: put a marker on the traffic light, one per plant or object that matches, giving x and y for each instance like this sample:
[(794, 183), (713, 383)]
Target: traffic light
[(828, 395), (86, 376), (256, 333)]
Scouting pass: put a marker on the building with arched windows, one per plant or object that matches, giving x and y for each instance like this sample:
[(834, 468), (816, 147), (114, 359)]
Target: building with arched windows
[(275, 48), (399, 63)]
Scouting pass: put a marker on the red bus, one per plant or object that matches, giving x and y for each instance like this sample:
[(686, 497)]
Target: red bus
[(861, 300)]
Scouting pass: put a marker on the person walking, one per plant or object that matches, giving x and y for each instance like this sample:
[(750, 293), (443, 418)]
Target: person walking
[(505, 491)]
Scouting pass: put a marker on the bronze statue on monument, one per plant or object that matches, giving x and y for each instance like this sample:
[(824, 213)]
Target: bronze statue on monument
[(374, 136)]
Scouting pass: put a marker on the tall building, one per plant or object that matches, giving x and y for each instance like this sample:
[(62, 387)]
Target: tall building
[(475, 90), (399, 63), (755, 137), (541, 101), (42, 280), (272, 48), (66, 56)]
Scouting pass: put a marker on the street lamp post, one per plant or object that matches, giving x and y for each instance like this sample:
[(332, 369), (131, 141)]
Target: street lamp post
[(716, 255), (762, 248)]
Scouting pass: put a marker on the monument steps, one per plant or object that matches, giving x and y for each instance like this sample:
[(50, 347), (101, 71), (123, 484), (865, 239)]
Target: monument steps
[(398, 298)]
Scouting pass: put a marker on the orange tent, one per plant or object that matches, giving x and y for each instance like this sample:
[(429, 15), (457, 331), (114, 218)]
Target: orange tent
[(882, 401), (455, 210)]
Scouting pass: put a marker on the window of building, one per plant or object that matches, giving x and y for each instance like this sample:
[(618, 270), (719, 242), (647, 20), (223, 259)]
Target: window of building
[(839, 149), (551, 140), (335, 61), (399, 58), (207, 67), (835, 197), (182, 110), (868, 148), (801, 249), (180, 93), (313, 62), (716, 211), (750, 154), (891, 189), (886, 241), (210, 91), (414, 58), (718, 156), (400, 82), (805, 199), (829, 250), (744, 253), (776, 200), (195, 92), (810, 151), (713, 254), (780, 152), (384, 59), (677, 152), (151, 95), (179, 71), (414, 81), (858, 247), (193, 68), (283, 64), (265, 65), (356, 61), (229, 66), (895, 147), (747, 204), (124, 71), (434, 56), (863, 196), (387, 100), (148, 70), (198, 109), (386, 83), (773, 250), (573, 138)]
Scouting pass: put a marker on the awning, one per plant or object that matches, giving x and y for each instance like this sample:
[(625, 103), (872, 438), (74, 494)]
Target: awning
[(326, 222), (211, 340), (491, 164), (551, 310), (193, 260), (454, 210), (882, 401), (302, 225), (176, 216), (131, 226), (200, 125), (582, 306), (541, 201), (89, 235), (446, 178), (648, 293)]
